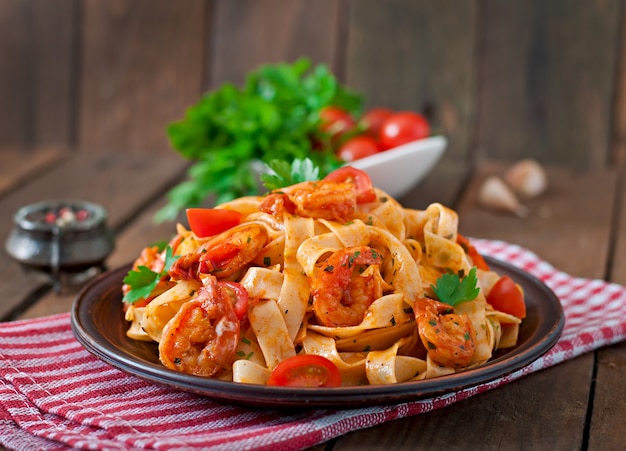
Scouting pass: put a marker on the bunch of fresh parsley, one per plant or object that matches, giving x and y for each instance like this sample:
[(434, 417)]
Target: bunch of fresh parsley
[(274, 116)]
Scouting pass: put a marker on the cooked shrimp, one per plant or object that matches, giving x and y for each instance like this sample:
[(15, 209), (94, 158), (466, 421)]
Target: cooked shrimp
[(341, 290), (224, 254), (324, 199), (447, 337), (202, 337)]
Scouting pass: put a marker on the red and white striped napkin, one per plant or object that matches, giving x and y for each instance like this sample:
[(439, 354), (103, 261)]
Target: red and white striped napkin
[(56, 395)]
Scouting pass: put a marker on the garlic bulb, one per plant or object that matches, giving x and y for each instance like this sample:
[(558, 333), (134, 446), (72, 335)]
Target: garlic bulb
[(494, 194), (527, 178)]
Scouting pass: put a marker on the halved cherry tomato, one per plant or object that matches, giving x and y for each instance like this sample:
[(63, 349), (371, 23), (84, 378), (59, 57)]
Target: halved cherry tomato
[(373, 119), (238, 294), (306, 370), (206, 222), (403, 127), (358, 147), (335, 120), (507, 297), (469, 248), (362, 182)]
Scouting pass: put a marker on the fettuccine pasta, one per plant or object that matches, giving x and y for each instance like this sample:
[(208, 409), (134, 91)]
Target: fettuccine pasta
[(313, 269)]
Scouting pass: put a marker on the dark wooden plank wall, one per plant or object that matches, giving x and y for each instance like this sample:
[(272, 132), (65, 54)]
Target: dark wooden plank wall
[(503, 80)]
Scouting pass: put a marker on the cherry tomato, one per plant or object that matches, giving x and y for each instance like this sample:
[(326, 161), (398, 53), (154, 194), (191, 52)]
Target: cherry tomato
[(358, 147), (211, 221), (362, 182), (373, 119), (507, 297), (306, 370), (403, 127), (335, 120), (470, 250), (238, 294)]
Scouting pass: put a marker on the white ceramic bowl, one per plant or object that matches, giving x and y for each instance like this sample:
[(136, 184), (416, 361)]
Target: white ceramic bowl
[(396, 171)]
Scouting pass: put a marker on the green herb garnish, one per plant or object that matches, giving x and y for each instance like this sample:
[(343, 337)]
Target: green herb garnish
[(452, 289), (285, 174), (274, 116), (143, 280)]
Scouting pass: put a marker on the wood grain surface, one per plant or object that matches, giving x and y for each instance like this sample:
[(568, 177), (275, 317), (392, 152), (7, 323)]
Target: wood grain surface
[(503, 80)]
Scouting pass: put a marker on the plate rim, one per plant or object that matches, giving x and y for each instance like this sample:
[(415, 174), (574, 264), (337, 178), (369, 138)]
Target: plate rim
[(545, 335)]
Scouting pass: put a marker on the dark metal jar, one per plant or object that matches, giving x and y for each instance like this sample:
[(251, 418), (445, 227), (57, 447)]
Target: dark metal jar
[(60, 237)]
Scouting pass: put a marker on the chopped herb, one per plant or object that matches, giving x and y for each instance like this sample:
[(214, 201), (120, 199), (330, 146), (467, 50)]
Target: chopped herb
[(245, 341), (352, 258), (267, 261)]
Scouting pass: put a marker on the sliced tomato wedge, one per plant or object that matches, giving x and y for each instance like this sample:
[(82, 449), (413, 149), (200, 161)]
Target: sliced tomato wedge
[(306, 370), (238, 294), (206, 222), (507, 297), (362, 182), (470, 250)]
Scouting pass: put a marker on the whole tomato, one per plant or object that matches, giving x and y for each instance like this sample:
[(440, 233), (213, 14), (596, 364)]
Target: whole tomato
[(373, 120), (403, 127), (335, 120), (360, 146)]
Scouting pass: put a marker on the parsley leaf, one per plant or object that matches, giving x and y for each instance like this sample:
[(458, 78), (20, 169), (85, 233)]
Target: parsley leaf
[(275, 115), (285, 174), (453, 290), (143, 280)]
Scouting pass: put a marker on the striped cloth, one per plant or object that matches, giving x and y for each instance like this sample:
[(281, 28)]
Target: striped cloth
[(55, 395)]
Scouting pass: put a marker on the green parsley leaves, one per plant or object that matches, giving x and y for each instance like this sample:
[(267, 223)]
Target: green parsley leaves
[(143, 280), (275, 115), (285, 174), (453, 290)]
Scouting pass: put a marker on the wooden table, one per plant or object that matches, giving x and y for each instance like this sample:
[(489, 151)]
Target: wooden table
[(579, 226)]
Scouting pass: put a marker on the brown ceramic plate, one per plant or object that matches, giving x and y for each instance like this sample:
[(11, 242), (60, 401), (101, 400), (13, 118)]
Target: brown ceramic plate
[(99, 325)]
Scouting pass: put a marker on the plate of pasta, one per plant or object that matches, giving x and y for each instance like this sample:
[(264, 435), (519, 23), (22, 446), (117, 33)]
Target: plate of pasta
[(321, 294)]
